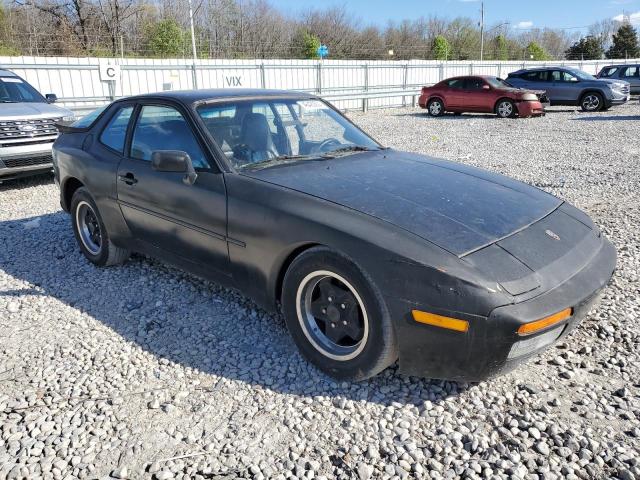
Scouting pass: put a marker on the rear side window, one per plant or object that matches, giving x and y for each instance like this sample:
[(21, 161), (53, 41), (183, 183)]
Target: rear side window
[(115, 133), (630, 72), (540, 76)]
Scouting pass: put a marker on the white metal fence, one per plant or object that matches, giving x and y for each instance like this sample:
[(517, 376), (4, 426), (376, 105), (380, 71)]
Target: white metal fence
[(349, 84)]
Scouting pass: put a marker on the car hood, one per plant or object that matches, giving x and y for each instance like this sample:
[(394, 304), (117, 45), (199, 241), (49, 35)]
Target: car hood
[(456, 207), (517, 90), (11, 111)]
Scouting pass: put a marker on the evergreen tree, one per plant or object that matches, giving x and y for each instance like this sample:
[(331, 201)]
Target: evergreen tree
[(625, 43), (441, 48), (587, 48)]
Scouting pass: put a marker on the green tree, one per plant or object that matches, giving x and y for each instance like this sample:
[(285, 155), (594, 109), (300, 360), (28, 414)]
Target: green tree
[(306, 44), (536, 52), (625, 43), (441, 48), (587, 48), (166, 38), (501, 48)]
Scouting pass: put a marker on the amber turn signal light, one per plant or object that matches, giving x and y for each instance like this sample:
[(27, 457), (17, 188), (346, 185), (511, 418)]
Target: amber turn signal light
[(545, 322), (440, 321)]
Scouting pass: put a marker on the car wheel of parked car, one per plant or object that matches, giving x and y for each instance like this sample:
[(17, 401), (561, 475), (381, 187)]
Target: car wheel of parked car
[(435, 107), (336, 316), (506, 109), (591, 102), (91, 233)]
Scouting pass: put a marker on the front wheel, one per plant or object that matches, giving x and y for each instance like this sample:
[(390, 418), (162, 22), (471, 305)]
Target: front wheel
[(506, 109), (91, 233), (435, 107), (336, 316), (592, 102)]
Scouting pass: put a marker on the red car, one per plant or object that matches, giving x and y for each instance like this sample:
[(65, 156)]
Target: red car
[(481, 94)]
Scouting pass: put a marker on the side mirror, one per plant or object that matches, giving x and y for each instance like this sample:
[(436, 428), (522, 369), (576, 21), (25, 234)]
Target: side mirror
[(51, 97), (486, 87), (174, 161)]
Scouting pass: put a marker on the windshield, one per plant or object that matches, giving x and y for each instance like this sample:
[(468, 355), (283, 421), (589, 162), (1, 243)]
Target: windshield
[(581, 75), (496, 82), (264, 133), (16, 90)]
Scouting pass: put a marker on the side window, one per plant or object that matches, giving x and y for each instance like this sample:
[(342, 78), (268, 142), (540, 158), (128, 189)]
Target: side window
[(290, 126), (557, 76), (474, 83), (569, 77), (164, 128), (456, 83), (630, 72), (608, 72), (115, 133)]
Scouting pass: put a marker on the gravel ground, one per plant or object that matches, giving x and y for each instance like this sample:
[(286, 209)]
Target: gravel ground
[(143, 371)]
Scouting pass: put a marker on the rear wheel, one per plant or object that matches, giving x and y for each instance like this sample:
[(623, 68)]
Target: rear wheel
[(91, 233), (506, 109), (336, 316), (435, 107), (592, 102)]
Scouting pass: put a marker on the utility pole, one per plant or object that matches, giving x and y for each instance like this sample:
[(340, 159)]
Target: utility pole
[(193, 46), (481, 31)]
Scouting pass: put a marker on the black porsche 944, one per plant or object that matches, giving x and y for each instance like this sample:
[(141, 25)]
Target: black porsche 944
[(373, 255)]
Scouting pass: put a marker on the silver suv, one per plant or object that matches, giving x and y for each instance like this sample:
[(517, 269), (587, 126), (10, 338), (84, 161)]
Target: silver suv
[(27, 127), (569, 86)]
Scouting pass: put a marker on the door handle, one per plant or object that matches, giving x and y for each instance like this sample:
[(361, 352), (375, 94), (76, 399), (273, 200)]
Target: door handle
[(129, 178)]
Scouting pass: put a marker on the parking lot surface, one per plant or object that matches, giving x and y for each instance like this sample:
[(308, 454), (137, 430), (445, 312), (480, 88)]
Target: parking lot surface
[(143, 371)]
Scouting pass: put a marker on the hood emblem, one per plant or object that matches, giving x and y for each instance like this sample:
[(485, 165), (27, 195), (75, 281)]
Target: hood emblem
[(26, 128), (552, 234)]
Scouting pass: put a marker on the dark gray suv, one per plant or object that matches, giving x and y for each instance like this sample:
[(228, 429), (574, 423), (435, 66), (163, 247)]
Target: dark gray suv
[(628, 73), (569, 86)]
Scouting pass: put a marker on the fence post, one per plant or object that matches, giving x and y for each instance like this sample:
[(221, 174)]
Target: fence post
[(405, 76), (499, 70), (441, 72), (319, 77), (471, 69), (365, 101), (194, 77), (263, 81)]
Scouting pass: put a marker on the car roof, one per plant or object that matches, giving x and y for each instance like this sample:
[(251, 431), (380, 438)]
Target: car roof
[(193, 96), (7, 73)]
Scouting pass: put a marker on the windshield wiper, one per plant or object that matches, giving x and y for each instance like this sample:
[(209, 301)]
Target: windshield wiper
[(347, 149), (279, 160), (8, 101)]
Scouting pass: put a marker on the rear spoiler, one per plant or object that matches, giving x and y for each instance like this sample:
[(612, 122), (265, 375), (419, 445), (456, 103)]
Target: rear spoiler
[(66, 127)]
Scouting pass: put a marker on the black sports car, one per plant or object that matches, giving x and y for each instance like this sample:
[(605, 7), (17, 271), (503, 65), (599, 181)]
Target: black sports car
[(373, 254)]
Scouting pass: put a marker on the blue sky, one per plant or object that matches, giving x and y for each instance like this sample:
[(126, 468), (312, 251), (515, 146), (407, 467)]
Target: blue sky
[(520, 14)]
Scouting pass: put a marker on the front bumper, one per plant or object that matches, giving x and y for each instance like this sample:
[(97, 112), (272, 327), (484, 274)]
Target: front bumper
[(483, 351), (530, 109), (24, 160), (618, 98)]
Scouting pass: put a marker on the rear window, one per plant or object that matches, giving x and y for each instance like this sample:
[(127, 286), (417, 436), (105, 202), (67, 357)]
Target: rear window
[(89, 118)]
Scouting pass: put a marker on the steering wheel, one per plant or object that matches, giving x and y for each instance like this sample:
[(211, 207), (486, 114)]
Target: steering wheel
[(327, 143)]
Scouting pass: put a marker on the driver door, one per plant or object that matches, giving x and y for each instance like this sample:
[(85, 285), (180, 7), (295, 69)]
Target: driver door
[(161, 210)]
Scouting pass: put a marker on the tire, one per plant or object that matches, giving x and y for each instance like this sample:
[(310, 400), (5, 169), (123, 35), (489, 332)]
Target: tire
[(506, 109), (592, 102), (435, 107), (336, 316), (91, 232)]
